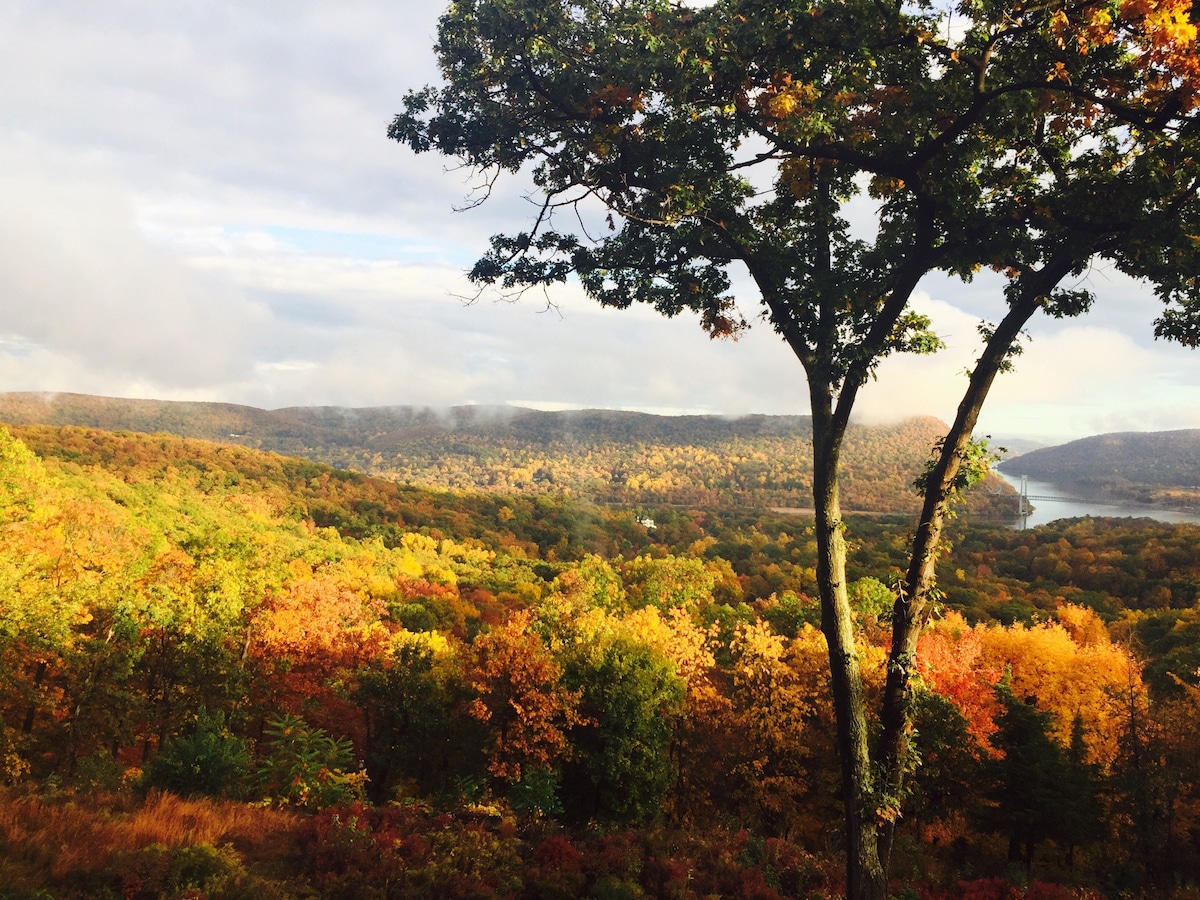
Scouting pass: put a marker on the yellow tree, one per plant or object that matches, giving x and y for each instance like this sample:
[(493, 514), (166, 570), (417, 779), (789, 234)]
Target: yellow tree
[(1032, 139)]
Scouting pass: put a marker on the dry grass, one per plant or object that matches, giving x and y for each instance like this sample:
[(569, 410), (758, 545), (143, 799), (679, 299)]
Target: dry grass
[(60, 836)]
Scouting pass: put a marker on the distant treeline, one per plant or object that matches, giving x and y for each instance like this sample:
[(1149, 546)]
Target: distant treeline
[(600, 455)]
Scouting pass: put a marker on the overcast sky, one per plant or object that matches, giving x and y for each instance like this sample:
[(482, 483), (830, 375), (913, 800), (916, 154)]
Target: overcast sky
[(198, 201)]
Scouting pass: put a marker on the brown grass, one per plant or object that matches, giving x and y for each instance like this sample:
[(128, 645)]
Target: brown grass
[(60, 836)]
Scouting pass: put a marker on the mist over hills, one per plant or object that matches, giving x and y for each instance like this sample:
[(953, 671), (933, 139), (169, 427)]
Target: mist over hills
[(605, 455), (296, 429), (620, 456)]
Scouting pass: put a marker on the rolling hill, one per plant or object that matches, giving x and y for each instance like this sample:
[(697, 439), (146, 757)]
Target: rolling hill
[(1159, 467), (603, 455)]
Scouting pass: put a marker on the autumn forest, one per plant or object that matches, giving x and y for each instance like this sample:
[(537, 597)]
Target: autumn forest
[(491, 652), (230, 673)]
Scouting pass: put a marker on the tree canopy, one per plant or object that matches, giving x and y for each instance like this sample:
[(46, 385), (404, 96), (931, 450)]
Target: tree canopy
[(837, 151), (173, 616), (738, 133)]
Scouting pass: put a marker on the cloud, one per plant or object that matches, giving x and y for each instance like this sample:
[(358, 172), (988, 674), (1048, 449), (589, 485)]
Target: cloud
[(78, 280), (932, 385), (199, 202), (1071, 379), (1088, 379)]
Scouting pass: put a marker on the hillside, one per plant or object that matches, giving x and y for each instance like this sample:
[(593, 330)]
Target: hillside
[(601, 455), (447, 693), (1160, 467)]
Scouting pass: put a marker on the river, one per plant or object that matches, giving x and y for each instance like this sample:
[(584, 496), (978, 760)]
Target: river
[(1048, 510)]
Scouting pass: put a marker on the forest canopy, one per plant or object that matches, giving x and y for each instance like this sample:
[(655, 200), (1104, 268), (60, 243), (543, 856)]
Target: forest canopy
[(174, 616)]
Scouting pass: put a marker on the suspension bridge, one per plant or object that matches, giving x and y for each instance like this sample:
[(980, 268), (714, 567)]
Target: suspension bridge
[(1024, 497)]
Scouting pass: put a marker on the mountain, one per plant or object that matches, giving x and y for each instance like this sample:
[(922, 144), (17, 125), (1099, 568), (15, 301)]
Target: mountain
[(604, 455), (1161, 467), (1012, 447), (309, 427)]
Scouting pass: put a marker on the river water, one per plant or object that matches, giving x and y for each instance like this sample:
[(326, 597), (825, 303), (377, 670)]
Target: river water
[(1048, 510)]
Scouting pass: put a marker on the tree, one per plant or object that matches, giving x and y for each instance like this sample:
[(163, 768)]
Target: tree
[(1029, 778), (1031, 139), (630, 698), (522, 699), (205, 759), (417, 737)]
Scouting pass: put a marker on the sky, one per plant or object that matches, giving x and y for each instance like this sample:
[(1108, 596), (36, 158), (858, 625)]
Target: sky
[(198, 201)]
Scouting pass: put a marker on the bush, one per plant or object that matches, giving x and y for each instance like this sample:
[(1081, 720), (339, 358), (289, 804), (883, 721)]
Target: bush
[(177, 872), (205, 760), (364, 853), (99, 772), (306, 767)]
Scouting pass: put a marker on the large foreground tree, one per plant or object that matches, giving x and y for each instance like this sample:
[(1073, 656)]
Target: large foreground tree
[(838, 151)]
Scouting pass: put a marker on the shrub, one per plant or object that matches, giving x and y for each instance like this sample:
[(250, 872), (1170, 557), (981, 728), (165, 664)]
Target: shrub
[(404, 851), (206, 760), (180, 872), (307, 767)]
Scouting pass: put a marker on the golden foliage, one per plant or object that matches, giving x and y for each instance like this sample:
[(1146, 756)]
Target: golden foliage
[(521, 699), (1067, 678)]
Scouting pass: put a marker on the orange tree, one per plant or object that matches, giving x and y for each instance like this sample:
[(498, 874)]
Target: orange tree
[(1028, 138)]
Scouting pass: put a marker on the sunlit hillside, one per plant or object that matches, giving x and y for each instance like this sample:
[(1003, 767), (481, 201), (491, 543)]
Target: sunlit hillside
[(354, 682), (601, 455)]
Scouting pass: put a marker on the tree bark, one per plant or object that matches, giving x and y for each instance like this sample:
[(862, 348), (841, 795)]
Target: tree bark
[(865, 876), (912, 608), (31, 711)]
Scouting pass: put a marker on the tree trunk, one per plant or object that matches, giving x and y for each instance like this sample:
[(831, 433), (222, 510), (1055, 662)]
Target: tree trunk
[(31, 711), (912, 607), (865, 877)]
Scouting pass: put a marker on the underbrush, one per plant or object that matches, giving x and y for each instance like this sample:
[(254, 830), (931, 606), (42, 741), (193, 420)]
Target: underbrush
[(64, 847), (398, 851), (117, 846)]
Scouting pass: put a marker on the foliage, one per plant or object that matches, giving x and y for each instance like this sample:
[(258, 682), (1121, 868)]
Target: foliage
[(197, 629), (206, 759), (668, 582), (527, 709), (1032, 140), (788, 613), (1041, 791), (975, 462), (176, 873), (307, 768), (402, 851), (607, 457), (57, 846), (419, 741), (629, 700)]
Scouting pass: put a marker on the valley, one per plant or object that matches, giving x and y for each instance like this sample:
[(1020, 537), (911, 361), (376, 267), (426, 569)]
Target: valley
[(296, 680)]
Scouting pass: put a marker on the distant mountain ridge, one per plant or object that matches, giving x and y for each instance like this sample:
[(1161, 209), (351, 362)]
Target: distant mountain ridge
[(1154, 457), (605, 455), (278, 428), (1161, 467)]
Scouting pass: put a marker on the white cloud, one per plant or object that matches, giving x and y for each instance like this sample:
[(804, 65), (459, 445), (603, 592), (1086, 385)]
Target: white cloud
[(200, 202), (77, 279), (1088, 379), (1071, 379)]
